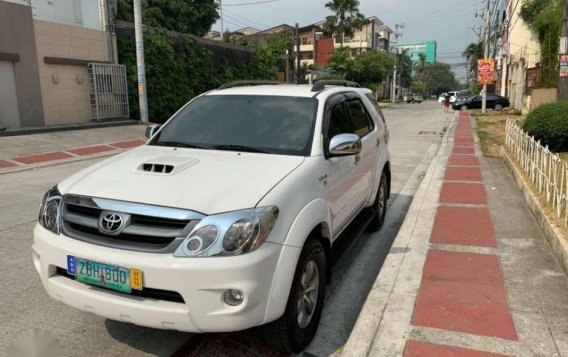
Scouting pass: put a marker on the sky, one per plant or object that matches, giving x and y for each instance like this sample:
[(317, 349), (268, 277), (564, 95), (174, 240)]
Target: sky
[(450, 23)]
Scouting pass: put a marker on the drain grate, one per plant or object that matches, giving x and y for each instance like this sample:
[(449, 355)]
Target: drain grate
[(427, 132)]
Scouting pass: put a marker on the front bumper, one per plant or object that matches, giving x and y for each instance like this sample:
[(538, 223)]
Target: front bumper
[(200, 281)]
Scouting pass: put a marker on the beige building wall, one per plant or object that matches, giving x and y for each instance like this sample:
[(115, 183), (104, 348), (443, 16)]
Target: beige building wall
[(65, 87), (523, 42)]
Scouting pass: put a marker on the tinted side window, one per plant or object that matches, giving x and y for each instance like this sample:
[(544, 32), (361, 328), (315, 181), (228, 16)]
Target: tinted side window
[(361, 121), (339, 122)]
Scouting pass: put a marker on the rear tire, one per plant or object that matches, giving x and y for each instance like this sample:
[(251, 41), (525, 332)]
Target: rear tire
[(498, 107), (294, 331), (463, 108), (380, 205)]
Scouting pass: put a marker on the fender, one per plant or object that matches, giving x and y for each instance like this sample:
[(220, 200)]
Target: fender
[(313, 214)]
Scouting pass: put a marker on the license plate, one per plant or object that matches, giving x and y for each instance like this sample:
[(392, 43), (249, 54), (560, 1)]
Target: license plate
[(104, 275)]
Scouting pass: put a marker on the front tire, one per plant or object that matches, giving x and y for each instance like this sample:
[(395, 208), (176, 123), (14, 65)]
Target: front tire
[(498, 107), (294, 331), (463, 108), (380, 205)]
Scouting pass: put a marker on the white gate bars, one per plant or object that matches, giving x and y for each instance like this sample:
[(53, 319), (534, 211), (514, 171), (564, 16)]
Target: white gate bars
[(109, 91), (546, 170)]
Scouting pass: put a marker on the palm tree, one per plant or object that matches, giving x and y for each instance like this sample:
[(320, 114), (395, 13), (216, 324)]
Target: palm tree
[(421, 68), (346, 20), (472, 53)]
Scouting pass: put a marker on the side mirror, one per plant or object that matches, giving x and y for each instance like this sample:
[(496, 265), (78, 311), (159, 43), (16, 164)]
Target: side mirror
[(151, 130), (344, 145)]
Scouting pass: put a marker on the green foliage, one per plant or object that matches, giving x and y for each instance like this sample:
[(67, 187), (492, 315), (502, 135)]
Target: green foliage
[(186, 16), (346, 20), (440, 78), (475, 89), (371, 67), (549, 124), (340, 62), (175, 74), (544, 18), (472, 53), (404, 65)]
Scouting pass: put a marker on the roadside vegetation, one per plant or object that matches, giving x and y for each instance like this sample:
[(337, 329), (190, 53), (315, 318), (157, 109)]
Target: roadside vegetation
[(491, 130)]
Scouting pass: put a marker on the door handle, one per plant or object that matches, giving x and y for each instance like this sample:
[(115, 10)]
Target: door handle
[(357, 159), (378, 141)]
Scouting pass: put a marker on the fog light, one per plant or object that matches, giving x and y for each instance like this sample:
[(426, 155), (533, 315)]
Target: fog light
[(233, 297)]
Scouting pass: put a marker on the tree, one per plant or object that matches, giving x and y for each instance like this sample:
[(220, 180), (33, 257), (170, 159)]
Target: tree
[(187, 16), (371, 67), (404, 64), (544, 17), (340, 62), (440, 78), (472, 53), (346, 20)]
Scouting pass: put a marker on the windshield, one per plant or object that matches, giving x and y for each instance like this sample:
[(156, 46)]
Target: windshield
[(267, 124)]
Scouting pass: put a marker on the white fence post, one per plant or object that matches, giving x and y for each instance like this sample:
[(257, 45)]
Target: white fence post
[(546, 170)]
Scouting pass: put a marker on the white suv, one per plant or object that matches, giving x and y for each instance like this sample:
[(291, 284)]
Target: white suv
[(225, 219)]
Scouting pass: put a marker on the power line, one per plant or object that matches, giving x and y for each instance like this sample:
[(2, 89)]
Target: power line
[(436, 13), (251, 3), (247, 19)]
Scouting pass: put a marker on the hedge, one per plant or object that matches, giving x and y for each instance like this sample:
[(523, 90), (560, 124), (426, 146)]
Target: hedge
[(549, 124)]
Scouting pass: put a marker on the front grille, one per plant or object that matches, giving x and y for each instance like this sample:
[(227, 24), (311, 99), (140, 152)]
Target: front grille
[(161, 241), (156, 294), (146, 228)]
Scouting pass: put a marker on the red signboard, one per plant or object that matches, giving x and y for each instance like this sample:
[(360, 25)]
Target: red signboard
[(324, 50), (485, 71)]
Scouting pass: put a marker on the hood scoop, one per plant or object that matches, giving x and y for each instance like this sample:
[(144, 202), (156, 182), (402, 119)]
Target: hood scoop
[(166, 165)]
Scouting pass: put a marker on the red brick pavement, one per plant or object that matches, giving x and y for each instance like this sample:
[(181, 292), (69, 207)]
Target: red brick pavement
[(462, 291)]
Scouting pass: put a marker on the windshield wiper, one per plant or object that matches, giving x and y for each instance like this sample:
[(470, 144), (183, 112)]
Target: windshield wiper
[(243, 148), (177, 144)]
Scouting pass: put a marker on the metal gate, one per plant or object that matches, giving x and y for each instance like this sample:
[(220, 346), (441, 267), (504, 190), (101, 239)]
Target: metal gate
[(109, 91)]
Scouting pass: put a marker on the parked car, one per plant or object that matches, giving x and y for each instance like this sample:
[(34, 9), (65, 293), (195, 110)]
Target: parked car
[(453, 96), (413, 98), (409, 98), (225, 219), (494, 101), (417, 98), (462, 96)]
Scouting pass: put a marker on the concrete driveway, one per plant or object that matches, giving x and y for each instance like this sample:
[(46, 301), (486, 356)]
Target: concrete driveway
[(24, 304)]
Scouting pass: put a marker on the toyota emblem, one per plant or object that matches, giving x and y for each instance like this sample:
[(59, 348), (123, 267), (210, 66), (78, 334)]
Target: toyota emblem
[(111, 222)]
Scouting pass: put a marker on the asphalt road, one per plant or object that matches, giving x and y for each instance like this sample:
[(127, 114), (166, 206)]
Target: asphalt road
[(24, 305)]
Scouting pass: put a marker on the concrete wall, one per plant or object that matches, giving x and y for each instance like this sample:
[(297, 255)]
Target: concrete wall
[(17, 41), (65, 87), (542, 96)]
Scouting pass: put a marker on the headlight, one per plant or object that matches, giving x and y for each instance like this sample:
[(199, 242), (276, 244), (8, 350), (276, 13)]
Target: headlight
[(231, 233), (50, 211)]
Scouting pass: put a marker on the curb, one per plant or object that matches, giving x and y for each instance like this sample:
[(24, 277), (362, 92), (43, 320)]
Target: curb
[(67, 127), (554, 237), (362, 338), (60, 162)]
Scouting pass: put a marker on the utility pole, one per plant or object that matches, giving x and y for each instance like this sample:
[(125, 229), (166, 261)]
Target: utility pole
[(562, 91), (221, 17), (139, 36), (298, 69), (397, 34), (486, 50)]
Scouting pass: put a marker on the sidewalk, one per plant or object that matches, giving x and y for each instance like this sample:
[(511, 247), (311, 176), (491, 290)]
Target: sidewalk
[(26, 151), (470, 273)]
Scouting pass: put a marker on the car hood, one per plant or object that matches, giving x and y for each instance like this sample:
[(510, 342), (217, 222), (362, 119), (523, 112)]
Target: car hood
[(201, 180)]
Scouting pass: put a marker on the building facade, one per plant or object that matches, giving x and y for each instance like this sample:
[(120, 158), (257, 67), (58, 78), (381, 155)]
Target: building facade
[(518, 55), (45, 49), (316, 48), (414, 49)]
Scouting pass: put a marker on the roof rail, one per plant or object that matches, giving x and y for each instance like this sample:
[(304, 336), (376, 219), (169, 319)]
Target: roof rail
[(320, 85), (252, 82)]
